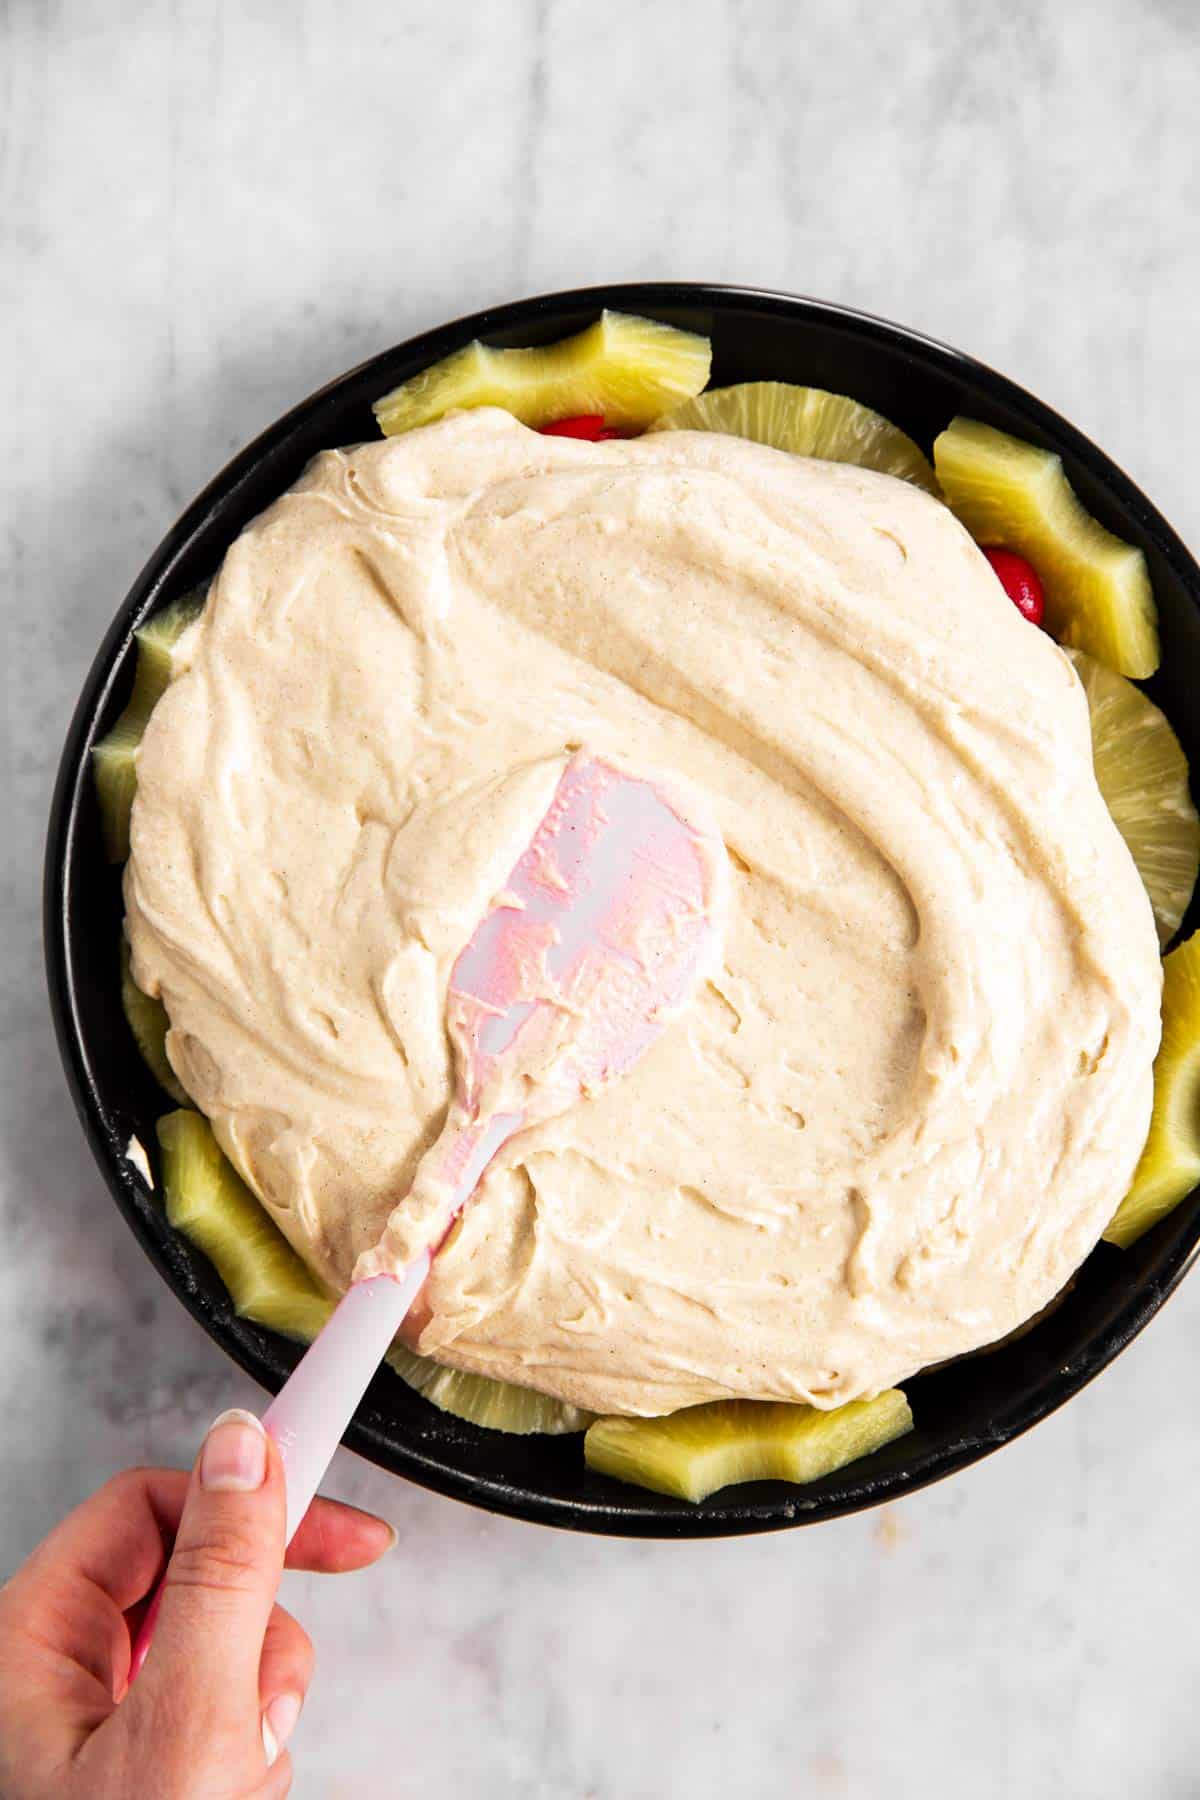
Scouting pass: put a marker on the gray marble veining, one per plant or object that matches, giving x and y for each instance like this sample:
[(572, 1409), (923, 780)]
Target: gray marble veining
[(205, 212)]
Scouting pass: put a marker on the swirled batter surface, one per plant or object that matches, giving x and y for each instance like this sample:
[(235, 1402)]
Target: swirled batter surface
[(904, 1108)]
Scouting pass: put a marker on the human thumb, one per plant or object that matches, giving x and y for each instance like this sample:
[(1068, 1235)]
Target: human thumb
[(221, 1581)]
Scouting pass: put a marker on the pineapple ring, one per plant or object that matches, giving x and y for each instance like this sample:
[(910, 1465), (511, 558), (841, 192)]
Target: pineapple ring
[(1143, 775), (114, 757), (1007, 492), (211, 1205), (692, 1453), (1170, 1165), (806, 421), (496, 1405), (627, 368)]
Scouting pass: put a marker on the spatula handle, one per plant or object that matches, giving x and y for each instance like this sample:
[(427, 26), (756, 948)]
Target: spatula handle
[(316, 1403), (312, 1409)]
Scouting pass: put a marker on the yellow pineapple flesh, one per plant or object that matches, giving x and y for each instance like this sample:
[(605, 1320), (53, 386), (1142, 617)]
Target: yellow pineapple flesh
[(1010, 493), (210, 1203), (114, 757), (496, 1405), (693, 1453), (1143, 774), (807, 422), (1170, 1165), (626, 368)]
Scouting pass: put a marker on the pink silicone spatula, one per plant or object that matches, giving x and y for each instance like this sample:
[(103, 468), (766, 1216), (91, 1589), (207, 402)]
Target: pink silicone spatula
[(605, 927)]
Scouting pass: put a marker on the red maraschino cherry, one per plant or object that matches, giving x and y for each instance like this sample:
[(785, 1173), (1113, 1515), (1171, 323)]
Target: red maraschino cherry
[(1019, 579), (589, 426)]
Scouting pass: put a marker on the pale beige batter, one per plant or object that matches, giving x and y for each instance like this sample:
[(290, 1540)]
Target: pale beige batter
[(902, 1112)]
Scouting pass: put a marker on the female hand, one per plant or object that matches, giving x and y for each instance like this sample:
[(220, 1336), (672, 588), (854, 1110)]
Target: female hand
[(228, 1669)]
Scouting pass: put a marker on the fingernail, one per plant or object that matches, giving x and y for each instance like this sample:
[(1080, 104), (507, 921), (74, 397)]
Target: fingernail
[(278, 1724), (234, 1457)]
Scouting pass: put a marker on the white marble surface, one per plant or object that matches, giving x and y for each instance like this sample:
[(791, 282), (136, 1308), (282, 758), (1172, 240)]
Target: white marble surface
[(208, 210)]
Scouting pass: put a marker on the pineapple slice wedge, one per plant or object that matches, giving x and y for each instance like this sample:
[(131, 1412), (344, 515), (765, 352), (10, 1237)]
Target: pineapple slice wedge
[(147, 1019), (627, 368), (1143, 774), (209, 1202), (1007, 492), (808, 422), (1170, 1165), (114, 757), (690, 1454)]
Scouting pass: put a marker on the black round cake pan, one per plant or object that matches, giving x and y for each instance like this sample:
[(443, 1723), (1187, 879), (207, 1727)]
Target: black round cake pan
[(963, 1411)]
